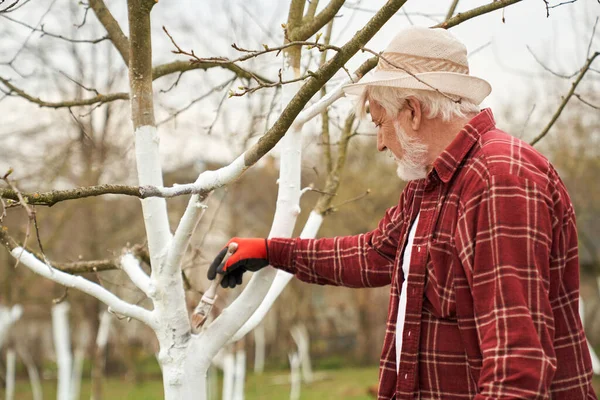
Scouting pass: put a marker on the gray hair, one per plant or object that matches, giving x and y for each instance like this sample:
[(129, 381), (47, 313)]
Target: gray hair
[(434, 104)]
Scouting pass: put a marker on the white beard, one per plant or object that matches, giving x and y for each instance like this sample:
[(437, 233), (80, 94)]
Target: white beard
[(412, 166)]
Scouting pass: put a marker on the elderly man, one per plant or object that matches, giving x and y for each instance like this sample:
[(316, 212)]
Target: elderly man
[(480, 251)]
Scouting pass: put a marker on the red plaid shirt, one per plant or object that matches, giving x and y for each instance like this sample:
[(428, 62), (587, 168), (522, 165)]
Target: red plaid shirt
[(493, 288)]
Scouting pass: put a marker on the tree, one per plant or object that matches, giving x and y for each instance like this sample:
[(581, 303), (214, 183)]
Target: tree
[(185, 356)]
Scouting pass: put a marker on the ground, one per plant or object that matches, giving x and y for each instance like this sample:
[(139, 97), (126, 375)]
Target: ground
[(344, 384)]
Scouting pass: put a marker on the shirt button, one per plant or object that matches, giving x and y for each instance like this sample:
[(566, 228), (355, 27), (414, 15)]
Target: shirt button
[(408, 333), (418, 249), (405, 376)]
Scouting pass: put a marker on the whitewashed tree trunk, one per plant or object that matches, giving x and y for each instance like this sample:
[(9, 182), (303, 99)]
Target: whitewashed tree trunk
[(8, 316), (228, 376), (62, 347), (11, 361), (32, 372), (184, 357), (239, 374), (76, 373), (295, 376), (259, 349), (300, 336)]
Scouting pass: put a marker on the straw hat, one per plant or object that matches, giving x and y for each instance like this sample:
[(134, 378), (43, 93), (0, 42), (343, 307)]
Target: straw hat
[(425, 59)]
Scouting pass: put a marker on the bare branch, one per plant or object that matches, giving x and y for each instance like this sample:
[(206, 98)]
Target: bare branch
[(183, 66), (100, 98), (56, 196), (115, 34), (44, 32), (548, 69), (249, 53), (587, 103), (310, 27), (451, 9), (589, 49), (475, 12), (566, 98)]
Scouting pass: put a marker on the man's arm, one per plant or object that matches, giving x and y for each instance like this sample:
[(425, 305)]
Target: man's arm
[(364, 260), (504, 239)]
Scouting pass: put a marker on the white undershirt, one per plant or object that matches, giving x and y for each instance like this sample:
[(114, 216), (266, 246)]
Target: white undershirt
[(402, 301)]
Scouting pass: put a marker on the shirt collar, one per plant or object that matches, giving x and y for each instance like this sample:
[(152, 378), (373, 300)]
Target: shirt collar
[(448, 162)]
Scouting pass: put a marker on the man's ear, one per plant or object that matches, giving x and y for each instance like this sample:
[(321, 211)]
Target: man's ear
[(415, 113)]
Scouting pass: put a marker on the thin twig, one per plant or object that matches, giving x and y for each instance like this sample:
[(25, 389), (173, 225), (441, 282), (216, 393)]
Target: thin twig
[(587, 54), (54, 35), (566, 99), (452, 9), (586, 102), (548, 69)]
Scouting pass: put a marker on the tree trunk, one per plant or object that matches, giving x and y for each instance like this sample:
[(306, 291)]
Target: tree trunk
[(11, 361), (62, 347), (100, 355)]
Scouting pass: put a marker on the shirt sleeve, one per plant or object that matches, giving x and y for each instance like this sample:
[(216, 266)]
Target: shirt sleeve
[(364, 260), (504, 239)]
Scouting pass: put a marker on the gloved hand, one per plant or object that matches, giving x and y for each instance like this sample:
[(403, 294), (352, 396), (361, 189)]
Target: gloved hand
[(251, 255)]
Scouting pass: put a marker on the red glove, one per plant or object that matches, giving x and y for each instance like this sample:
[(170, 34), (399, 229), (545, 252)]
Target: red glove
[(251, 255)]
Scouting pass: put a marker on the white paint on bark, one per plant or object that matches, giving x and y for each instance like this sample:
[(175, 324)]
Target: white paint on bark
[(154, 208), (11, 362), (76, 373), (131, 265), (281, 280), (62, 347), (78, 282), (259, 349), (8, 316), (239, 374), (295, 376), (228, 376)]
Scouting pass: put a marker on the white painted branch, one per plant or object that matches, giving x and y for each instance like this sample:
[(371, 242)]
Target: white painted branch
[(287, 210), (62, 347), (131, 265), (7, 318), (228, 376), (11, 361), (80, 283), (76, 374), (103, 330), (259, 349), (189, 221), (155, 208), (324, 102), (281, 280), (240, 374), (295, 377)]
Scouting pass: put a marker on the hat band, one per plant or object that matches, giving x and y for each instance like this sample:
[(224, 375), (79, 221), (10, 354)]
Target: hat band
[(417, 64)]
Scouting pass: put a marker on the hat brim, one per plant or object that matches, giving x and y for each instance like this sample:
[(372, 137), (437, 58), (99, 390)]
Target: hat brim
[(451, 83)]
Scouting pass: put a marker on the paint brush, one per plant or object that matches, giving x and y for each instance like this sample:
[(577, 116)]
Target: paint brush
[(202, 310)]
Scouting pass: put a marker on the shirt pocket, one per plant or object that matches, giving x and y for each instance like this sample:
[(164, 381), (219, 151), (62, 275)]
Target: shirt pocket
[(440, 296)]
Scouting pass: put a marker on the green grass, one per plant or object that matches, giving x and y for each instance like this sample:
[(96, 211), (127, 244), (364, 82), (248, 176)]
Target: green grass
[(349, 383), (337, 384)]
